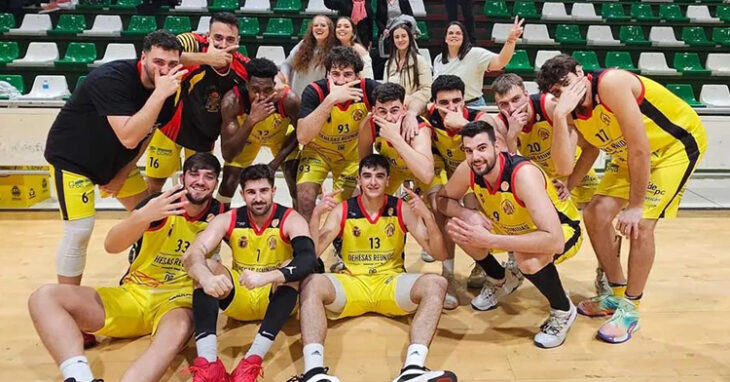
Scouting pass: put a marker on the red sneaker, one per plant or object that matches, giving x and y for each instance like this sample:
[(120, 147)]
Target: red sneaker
[(89, 340), (204, 371), (248, 370)]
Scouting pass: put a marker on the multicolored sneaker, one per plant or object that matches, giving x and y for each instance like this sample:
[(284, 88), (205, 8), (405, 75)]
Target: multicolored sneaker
[(622, 324), (477, 277), (598, 306), (248, 370), (204, 371), (601, 283)]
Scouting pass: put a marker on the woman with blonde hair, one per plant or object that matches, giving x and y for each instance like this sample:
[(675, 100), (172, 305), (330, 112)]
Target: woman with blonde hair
[(345, 32), (408, 68), (305, 63)]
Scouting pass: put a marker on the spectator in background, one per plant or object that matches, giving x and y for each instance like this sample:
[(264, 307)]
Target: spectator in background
[(387, 13), (467, 10), (360, 12), (408, 68), (305, 63), (345, 33), (460, 58)]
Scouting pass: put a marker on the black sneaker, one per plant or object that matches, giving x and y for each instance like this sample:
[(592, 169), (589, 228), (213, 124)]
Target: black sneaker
[(318, 374)]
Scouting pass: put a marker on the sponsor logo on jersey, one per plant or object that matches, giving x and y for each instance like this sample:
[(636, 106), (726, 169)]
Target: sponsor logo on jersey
[(356, 231), (271, 242), (242, 242)]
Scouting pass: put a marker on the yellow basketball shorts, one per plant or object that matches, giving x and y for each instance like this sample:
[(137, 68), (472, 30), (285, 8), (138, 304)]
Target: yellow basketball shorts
[(132, 310), (583, 192), (76, 193), (250, 150), (247, 304), (314, 167), (573, 236), (368, 293), (163, 156)]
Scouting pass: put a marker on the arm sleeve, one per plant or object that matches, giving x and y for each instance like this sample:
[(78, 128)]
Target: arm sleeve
[(310, 101), (112, 95), (304, 262), (189, 43)]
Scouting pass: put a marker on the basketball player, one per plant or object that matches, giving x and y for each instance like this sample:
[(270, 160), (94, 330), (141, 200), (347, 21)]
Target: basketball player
[(523, 215), (655, 140), (97, 136), (272, 251), (155, 294), (254, 117), (214, 67), (373, 229)]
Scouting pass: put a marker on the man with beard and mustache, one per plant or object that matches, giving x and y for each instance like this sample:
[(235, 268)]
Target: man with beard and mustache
[(520, 212), (272, 251), (155, 293), (655, 140)]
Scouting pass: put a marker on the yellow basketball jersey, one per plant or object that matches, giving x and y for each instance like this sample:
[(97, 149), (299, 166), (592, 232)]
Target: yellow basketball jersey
[(259, 249), (270, 132), (156, 258), (387, 150), (337, 140), (672, 126), (508, 213), (373, 246), (447, 143)]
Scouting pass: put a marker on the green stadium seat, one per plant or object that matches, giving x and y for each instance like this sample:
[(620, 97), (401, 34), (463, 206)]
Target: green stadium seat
[(672, 12), (721, 36), (279, 27), (7, 22), (526, 10), (621, 60), (496, 9), (95, 5), (569, 34), (69, 25), (305, 25), (16, 80), (643, 12), (695, 36), (685, 92), (125, 4), (689, 63), (288, 6), (177, 24), (223, 6), (723, 12), (519, 62), (242, 49), (423, 27), (140, 26), (78, 54), (632, 35), (248, 26), (9, 51), (587, 59), (613, 11)]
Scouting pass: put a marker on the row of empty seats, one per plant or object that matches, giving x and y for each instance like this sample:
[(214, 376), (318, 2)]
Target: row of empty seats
[(608, 11), (601, 35)]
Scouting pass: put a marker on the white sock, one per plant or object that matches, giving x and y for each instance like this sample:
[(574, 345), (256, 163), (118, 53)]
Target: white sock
[(416, 355), (448, 267), (313, 356), (208, 347), (76, 367), (259, 347)]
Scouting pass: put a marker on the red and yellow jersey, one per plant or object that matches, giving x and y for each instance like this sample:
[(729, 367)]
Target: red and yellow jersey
[(259, 249), (672, 126), (447, 143), (156, 258), (387, 150), (373, 246), (272, 131)]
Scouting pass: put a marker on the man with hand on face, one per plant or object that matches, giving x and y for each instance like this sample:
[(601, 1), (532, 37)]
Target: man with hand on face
[(272, 251), (255, 116), (522, 214), (214, 67), (154, 297), (655, 140)]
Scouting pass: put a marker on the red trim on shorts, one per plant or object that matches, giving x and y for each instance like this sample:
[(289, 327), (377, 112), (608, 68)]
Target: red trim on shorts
[(232, 223), (499, 177), (281, 225), (514, 185), (344, 217), (402, 224), (365, 212), (258, 231)]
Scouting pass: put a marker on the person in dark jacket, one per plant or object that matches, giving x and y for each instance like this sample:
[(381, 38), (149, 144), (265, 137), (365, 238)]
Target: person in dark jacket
[(353, 9)]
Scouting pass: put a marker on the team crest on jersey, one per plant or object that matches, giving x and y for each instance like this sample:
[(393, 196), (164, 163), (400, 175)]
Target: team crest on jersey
[(274, 223), (390, 229), (605, 118), (213, 103), (242, 242), (504, 186), (358, 115), (508, 207), (15, 191), (543, 134), (356, 231), (272, 242)]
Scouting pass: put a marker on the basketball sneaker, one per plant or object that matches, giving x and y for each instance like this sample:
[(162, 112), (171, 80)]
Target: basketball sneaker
[(413, 373), (623, 322), (318, 374), (601, 283), (493, 291), (425, 256), (554, 330), (204, 371), (598, 306), (477, 277), (74, 380), (338, 265), (248, 370)]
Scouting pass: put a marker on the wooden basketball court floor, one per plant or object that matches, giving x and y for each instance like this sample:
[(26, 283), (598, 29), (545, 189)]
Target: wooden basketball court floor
[(684, 334)]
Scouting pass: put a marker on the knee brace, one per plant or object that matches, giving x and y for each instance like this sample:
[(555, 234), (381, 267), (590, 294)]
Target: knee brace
[(71, 255)]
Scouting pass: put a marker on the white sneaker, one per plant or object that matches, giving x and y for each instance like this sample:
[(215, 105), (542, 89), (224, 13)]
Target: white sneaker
[(491, 293), (415, 373), (554, 330), (603, 288), (425, 256), (318, 374), (477, 277), (451, 301)]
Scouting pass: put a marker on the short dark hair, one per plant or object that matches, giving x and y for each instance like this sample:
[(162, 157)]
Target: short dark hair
[(161, 39), (472, 129), (389, 91), (374, 161), (446, 82), (202, 161), (256, 172), (505, 82), (342, 57), (225, 18), (262, 68), (554, 70)]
